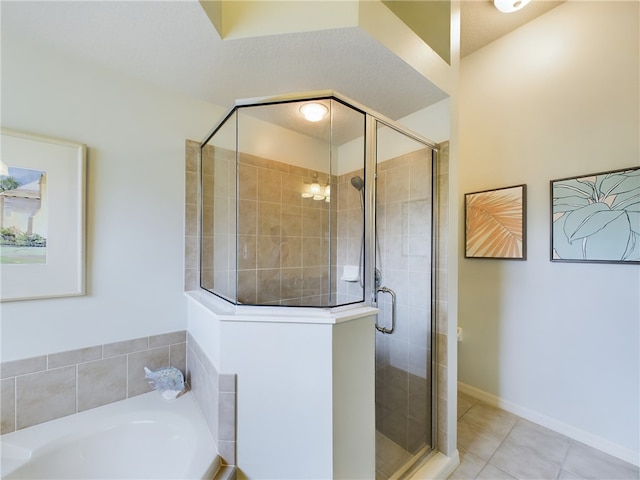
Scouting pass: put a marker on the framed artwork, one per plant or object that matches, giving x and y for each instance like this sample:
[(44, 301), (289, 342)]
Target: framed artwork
[(596, 217), (495, 223), (42, 217)]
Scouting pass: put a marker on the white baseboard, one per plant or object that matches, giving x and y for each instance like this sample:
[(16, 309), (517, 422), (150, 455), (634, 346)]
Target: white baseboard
[(587, 438)]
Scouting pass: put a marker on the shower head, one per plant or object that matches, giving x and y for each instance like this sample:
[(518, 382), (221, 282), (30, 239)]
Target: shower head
[(357, 183)]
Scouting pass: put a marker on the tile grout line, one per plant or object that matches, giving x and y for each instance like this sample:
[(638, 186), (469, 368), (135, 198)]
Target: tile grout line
[(498, 448)]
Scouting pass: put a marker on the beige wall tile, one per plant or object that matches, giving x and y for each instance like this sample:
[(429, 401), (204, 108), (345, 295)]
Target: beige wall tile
[(191, 252), (269, 219), (167, 339), (291, 221), (292, 187), (269, 186), (44, 396), (227, 416), (311, 222), (247, 217), (191, 188), (8, 405), (247, 254), (102, 382), (74, 356), (191, 227), (178, 356), (192, 151), (126, 346), (268, 282), (247, 286), (24, 366)]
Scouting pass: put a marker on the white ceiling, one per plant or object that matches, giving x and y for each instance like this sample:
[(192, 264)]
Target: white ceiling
[(173, 44)]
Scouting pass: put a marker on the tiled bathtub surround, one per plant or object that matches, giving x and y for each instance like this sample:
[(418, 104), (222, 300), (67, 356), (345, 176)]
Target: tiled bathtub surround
[(215, 393), (43, 388)]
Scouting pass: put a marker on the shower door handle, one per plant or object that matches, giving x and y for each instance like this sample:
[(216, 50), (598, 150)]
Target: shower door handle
[(393, 310)]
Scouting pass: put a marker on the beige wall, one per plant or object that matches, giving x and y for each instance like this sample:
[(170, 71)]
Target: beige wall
[(555, 342)]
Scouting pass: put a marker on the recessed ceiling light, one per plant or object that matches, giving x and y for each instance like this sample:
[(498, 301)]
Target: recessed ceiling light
[(509, 6), (313, 112)]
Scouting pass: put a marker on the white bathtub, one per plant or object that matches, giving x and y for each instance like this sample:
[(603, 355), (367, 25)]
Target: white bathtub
[(143, 437)]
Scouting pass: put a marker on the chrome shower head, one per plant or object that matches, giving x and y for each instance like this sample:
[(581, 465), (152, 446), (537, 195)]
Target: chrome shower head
[(357, 183)]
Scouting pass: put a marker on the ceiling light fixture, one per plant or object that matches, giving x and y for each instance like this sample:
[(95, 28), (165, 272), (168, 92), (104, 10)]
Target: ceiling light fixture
[(316, 191), (509, 6), (313, 112)]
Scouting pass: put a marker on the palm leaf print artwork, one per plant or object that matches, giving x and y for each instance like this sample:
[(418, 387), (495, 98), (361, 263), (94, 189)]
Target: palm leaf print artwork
[(495, 223), (596, 218)]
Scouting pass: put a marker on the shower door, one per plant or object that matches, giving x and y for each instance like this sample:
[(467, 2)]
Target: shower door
[(403, 220)]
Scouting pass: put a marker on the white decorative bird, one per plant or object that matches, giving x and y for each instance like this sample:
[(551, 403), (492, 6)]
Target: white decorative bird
[(168, 381)]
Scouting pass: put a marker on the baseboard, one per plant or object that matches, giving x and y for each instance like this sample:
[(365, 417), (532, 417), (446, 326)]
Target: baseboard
[(587, 438)]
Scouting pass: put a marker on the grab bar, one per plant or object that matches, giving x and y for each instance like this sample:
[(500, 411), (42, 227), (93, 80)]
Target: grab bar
[(393, 310)]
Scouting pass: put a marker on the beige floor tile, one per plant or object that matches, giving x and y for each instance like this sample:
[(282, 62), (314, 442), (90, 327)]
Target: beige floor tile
[(476, 440), (523, 462), (564, 475), (491, 472), (465, 402), (545, 443), (491, 419), (589, 463), (470, 466)]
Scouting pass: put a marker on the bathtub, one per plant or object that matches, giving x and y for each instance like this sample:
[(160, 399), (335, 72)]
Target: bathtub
[(143, 437)]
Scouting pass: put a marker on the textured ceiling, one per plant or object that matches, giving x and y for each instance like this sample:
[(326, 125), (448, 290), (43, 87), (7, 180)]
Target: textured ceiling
[(174, 45)]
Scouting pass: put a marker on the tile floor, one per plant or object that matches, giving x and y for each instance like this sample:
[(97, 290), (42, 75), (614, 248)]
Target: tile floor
[(497, 445)]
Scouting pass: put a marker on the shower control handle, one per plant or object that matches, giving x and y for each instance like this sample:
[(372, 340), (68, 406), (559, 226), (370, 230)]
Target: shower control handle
[(393, 310)]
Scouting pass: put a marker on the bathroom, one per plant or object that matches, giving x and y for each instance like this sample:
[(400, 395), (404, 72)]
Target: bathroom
[(135, 208)]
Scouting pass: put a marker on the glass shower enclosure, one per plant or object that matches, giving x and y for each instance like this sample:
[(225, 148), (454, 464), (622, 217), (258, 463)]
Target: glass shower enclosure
[(316, 201)]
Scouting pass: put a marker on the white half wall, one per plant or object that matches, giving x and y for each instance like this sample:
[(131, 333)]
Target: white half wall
[(556, 98), (135, 134)]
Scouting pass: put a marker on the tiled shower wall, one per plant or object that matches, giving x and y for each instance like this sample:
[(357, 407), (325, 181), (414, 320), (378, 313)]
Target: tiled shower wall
[(43, 388), (285, 243), (403, 221)]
